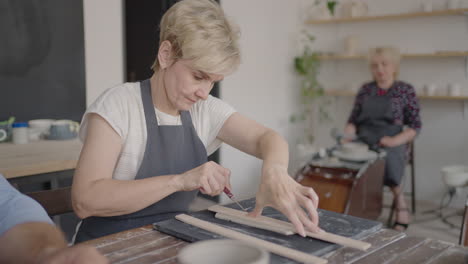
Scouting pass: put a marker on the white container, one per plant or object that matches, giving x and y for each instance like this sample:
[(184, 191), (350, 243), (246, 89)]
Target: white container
[(430, 89), (354, 8), (427, 6), (41, 125), (454, 89), (224, 251), (34, 134), (351, 45), (455, 175), (20, 133), (453, 4)]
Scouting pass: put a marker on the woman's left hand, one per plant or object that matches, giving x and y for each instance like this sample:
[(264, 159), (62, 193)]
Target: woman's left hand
[(389, 142), (280, 191)]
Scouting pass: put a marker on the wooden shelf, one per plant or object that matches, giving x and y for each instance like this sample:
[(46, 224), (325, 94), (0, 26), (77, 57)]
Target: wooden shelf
[(435, 97), (389, 17), (439, 54), (408, 55)]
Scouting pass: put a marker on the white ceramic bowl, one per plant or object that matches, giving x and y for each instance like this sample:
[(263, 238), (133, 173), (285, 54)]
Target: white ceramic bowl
[(223, 251), (455, 175), (354, 148), (41, 125)]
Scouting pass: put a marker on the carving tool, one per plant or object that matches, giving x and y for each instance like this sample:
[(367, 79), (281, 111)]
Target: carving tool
[(231, 196)]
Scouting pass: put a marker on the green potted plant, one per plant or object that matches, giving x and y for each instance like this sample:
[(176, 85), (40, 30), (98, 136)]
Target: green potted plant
[(331, 5), (313, 103), (307, 66)]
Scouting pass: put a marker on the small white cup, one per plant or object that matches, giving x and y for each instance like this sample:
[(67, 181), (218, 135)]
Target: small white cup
[(225, 251), (42, 125), (430, 89), (3, 135), (351, 45), (419, 90), (454, 89), (453, 4), (426, 6), (34, 134)]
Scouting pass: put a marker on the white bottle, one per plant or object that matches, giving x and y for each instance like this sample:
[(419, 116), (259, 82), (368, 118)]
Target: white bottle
[(20, 133), (453, 4)]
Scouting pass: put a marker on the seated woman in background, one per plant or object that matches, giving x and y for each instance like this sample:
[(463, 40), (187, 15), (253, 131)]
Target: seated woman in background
[(386, 114)]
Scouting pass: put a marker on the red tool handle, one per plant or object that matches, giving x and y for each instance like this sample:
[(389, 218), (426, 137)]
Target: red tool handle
[(228, 192)]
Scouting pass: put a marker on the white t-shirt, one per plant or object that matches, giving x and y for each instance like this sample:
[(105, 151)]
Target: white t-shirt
[(122, 108)]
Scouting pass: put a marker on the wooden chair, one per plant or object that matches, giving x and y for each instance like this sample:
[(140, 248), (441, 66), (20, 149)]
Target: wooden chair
[(464, 229), (55, 202), (413, 184), (413, 177)]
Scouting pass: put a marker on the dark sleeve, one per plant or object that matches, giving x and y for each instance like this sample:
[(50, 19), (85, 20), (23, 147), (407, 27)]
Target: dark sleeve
[(411, 116), (357, 105)]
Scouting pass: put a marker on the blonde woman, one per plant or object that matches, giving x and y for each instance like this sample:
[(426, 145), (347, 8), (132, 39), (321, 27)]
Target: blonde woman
[(386, 114), (146, 143)]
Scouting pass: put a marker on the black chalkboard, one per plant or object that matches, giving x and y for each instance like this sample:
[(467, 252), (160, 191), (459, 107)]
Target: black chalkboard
[(42, 71), (340, 224)]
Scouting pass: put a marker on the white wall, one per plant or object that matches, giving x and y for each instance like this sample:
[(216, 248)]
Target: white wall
[(444, 137), (104, 46), (264, 87)]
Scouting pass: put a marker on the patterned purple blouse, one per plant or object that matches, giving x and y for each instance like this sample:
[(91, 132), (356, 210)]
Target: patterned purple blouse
[(405, 104)]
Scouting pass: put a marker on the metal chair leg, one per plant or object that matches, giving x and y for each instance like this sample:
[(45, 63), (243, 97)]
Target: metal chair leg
[(390, 217), (413, 189), (464, 228)]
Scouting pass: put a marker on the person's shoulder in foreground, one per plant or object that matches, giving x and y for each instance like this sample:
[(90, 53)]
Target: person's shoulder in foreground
[(16, 208), (27, 234)]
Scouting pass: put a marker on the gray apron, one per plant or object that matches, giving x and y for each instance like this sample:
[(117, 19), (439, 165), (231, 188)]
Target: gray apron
[(169, 150), (376, 121)]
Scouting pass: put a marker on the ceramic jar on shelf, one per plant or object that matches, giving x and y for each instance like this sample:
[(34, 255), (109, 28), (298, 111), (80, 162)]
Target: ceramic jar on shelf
[(351, 45), (318, 12), (354, 8), (20, 133)]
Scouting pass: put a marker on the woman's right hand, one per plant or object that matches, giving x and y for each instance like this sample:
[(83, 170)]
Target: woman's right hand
[(210, 178), (349, 133)]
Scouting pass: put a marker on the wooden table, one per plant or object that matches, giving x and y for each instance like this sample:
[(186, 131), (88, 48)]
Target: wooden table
[(144, 245), (45, 156)]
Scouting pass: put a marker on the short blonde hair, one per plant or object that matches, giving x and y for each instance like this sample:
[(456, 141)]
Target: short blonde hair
[(199, 31), (389, 52)]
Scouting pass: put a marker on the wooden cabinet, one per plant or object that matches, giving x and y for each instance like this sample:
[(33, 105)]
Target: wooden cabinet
[(354, 192)]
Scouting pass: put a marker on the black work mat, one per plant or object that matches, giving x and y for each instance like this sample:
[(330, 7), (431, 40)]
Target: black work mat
[(343, 225)]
